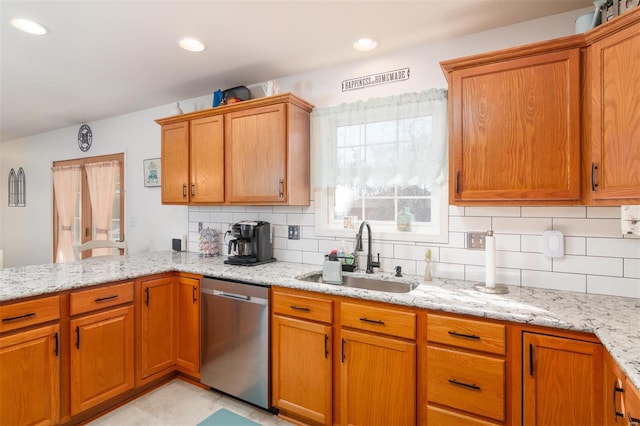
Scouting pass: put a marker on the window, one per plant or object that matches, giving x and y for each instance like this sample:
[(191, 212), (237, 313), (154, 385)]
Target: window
[(82, 225), (383, 161)]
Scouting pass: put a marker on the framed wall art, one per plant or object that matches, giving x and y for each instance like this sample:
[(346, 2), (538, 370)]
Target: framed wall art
[(152, 172)]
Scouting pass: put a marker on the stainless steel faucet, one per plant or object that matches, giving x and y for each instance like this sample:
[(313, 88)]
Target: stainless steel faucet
[(370, 263)]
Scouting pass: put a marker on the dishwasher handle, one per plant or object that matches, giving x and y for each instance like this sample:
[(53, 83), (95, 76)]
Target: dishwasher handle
[(234, 296)]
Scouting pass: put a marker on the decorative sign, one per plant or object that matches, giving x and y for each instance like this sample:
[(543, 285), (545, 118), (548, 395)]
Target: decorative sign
[(152, 172), (375, 79), (85, 138)]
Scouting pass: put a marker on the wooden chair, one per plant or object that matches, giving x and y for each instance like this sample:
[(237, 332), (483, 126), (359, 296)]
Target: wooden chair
[(96, 244)]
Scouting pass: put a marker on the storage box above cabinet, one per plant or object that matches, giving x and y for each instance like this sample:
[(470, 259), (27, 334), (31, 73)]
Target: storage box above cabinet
[(251, 153)]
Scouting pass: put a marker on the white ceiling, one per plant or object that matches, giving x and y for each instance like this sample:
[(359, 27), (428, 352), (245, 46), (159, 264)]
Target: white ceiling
[(105, 58)]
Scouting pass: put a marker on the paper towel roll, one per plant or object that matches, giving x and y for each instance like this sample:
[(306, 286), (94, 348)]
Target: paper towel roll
[(490, 260)]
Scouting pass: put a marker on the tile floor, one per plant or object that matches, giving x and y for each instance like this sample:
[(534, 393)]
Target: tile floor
[(179, 403)]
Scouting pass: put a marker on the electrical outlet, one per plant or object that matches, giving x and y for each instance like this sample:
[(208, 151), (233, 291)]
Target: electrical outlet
[(294, 232), (475, 240)]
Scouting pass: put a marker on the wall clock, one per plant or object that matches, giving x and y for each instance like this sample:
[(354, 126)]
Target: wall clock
[(85, 138)]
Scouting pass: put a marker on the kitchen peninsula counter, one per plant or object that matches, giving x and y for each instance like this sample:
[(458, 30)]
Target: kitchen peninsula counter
[(614, 320)]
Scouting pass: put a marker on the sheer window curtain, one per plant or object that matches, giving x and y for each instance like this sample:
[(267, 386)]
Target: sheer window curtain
[(426, 165), (66, 185), (101, 178)]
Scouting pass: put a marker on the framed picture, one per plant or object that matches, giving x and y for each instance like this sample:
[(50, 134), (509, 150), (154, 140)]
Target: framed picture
[(152, 172)]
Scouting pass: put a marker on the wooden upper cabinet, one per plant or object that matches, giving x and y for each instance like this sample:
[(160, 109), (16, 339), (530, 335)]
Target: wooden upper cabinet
[(175, 163), (612, 173), (256, 155), (206, 159), (515, 129), (252, 152)]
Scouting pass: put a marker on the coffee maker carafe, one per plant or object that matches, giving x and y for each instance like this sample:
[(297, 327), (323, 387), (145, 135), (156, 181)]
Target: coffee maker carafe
[(251, 243)]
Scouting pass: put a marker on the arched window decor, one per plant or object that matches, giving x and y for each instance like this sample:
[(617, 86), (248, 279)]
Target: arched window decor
[(21, 190), (12, 189)]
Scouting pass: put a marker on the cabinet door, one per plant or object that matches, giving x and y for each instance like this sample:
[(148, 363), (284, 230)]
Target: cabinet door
[(631, 403), (515, 130), (255, 155), (378, 380), (188, 328), (615, 121), (101, 357), (301, 356), (158, 326), (562, 381), (206, 160), (175, 163), (30, 377)]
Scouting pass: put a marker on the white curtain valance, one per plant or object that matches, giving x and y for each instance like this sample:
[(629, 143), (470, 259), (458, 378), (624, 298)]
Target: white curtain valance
[(398, 139)]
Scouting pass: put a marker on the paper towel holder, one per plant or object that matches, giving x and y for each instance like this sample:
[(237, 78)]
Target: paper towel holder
[(489, 286)]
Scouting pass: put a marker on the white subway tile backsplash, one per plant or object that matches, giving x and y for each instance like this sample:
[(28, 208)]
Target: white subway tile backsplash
[(522, 225), (598, 259), (576, 212), (554, 280), (588, 227), (632, 268), (589, 265), (613, 247), (628, 287)]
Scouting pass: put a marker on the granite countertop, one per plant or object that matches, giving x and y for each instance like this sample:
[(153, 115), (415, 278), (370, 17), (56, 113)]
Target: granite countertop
[(614, 320)]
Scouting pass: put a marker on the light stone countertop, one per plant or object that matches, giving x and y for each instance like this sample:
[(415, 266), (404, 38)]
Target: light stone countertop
[(614, 320)]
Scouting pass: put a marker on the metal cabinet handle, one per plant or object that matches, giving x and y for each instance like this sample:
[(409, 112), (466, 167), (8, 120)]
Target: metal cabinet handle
[(19, 317), (146, 296), (195, 299), (184, 190), (281, 189), (466, 336), (326, 346), (465, 385), (530, 359), (457, 181), (300, 308), (343, 356), (77, 337), (616, 389), (594, 169), (365, 319), (104, 299), (193, 189), (55, 338)]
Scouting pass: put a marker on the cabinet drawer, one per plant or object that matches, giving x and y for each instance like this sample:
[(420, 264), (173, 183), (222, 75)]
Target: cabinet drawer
[(23, 314), (438, 416), (103, 297), (379, 320), (466, 333), (472, 383), (311, 308)]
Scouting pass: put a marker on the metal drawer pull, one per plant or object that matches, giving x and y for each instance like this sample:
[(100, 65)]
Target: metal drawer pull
[(466, 385), (104, 299), (300, 308), (77, 337), (326, 346), (19, 317), (633, 421), (55, 337), (365, 319), (466, 336)]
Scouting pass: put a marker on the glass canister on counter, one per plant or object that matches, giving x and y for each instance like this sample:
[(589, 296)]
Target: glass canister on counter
[(209, 245)]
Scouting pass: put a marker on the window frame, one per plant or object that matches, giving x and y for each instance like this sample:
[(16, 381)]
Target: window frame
[(86, 214)]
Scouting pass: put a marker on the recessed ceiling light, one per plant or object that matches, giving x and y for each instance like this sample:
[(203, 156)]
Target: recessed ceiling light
[(365, 44), (28, 26), (192, 45)]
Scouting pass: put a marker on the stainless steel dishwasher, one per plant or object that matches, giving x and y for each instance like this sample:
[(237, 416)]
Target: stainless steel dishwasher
[(235, 339)]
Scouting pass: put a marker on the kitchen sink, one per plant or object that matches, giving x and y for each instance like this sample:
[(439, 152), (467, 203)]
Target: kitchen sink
[(366, 283)]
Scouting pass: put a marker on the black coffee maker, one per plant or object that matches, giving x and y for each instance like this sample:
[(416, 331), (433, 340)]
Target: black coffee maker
[(250, 244)]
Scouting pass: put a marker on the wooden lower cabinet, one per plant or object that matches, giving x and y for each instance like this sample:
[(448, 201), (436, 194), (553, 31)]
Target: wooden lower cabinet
[(188, 325), (613, 387), (30, 377), (157, 345), (302, 369), (438, 416), (377, 380), (631, 403), (101, 357), (561, 381)]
